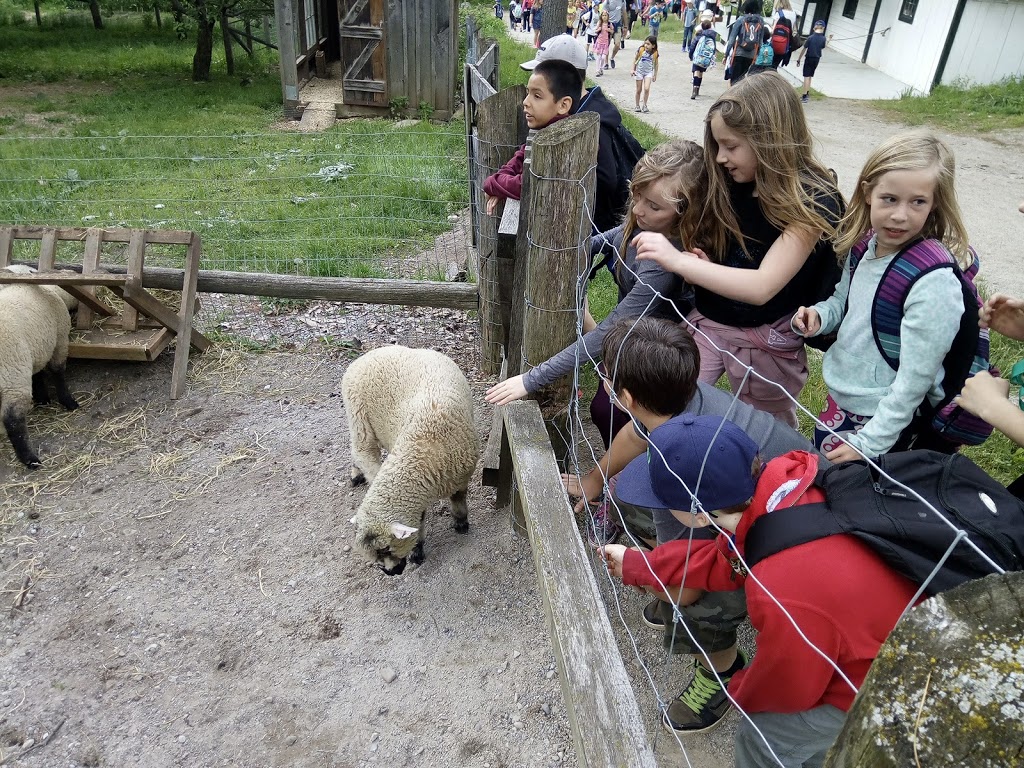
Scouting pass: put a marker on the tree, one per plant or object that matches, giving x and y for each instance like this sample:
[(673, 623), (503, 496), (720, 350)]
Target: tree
[(94, 9)]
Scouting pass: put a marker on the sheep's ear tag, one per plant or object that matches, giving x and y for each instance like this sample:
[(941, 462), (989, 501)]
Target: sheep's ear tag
[(353, 520), (400, 531)]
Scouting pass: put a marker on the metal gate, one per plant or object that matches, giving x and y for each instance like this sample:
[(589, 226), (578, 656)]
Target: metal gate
[(363, 52)]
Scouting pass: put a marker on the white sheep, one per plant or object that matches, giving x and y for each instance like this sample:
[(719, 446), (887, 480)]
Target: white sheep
[(415, 404), (35, 323)]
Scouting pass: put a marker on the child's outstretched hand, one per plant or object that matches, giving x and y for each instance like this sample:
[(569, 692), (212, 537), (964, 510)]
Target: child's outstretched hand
[(506, 391), (982, 392), (613, 554), (492, 204), (1003, 314), (806, 321), (843, 453), (656, 247)]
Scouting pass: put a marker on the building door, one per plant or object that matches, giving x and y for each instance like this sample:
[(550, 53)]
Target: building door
[(363, 60)]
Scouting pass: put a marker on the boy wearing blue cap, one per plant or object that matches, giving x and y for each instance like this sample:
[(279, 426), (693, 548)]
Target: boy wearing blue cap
[(842, 596), (811, 54)]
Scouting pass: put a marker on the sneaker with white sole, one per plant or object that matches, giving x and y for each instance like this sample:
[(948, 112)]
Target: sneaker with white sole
[(652, 615), (703, 704)]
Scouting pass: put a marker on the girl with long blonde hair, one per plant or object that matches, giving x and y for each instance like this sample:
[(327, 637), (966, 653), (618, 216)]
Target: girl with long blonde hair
[(905, 198), (772, 211)]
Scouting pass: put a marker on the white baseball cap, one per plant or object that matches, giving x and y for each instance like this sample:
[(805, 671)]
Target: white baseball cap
[(562, 48)]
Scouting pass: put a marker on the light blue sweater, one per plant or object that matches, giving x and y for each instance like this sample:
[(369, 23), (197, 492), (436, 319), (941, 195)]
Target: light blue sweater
[(857, 376)]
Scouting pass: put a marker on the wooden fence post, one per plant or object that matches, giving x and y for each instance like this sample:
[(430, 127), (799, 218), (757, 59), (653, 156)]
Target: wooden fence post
[(501, 129), (284, 14), (946, 686), (560, 179)]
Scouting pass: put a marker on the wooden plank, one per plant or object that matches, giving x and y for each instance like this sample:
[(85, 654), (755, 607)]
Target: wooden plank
[(146, 304), (185, 312), (492, 451), (413, 293), (90, 262), (509, 226), (48, 251), (603, 713), (112, 235), (136, 255), (88, 303), (488, 63), (6, 245), (479, 88), (62, 279)]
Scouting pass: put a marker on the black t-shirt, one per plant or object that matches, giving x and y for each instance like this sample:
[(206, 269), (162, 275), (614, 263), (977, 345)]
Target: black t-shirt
[(815, 281)]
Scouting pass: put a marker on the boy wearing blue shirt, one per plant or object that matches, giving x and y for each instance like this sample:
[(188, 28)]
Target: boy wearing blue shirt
[(812, 51)]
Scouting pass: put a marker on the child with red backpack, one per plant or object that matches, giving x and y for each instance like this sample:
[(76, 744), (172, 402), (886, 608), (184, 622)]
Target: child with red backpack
[(902, 304), (841, 595)]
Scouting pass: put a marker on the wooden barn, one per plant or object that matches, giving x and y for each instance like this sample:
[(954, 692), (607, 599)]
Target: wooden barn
[(385, 53)]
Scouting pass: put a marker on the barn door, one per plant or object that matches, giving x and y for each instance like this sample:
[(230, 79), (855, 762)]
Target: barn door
[(363, 52)]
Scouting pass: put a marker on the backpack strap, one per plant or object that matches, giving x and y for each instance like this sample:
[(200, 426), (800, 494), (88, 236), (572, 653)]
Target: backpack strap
[(787, 527), (910, 265)]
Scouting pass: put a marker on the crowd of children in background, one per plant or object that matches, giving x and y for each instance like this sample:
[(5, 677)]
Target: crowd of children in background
[(729, 258)]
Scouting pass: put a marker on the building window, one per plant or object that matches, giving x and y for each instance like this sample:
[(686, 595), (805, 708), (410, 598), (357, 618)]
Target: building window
[(907, 10), (850, 9), (311, 25)]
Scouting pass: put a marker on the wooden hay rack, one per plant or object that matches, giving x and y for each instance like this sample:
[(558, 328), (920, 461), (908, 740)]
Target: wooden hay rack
[(144, 327)]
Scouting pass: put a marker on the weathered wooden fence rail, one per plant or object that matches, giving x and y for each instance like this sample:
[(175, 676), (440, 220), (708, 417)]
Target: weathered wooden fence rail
[(607, 728)]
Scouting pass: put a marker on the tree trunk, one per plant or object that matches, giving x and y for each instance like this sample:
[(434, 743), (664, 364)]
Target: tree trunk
[(204, 43), (945, 688), (229, 54), (177, 11), (94, 9), (39, 17), (156, 11)]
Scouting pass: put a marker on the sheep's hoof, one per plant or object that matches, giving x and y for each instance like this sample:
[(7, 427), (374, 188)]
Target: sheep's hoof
[(69, 404), (417, 556), (359, 479), (461, 526)]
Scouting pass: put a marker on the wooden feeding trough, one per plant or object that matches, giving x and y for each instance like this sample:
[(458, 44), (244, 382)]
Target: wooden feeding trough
[(144, 326)]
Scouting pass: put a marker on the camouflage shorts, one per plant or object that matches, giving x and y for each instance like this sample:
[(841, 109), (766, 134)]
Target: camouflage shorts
[(713, 621)]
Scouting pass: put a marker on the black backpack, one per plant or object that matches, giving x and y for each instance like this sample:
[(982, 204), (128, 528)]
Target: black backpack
[(751, 33), (627, 151), (906, 534)]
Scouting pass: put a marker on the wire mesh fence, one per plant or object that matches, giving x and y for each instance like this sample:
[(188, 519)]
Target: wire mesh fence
[(365, 199)]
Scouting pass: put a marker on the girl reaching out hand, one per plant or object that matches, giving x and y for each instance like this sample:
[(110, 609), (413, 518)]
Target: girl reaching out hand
[(772, 210), (905, 194), (666, 195)]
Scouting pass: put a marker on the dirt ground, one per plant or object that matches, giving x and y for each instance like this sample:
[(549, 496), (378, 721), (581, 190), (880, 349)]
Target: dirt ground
[(187, 595), (176, 583)]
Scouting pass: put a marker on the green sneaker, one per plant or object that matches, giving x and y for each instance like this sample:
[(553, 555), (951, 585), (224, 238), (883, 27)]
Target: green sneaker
[(703, 703)]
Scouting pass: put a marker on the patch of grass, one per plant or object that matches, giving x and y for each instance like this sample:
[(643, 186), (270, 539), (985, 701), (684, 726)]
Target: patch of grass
[(962, 108)]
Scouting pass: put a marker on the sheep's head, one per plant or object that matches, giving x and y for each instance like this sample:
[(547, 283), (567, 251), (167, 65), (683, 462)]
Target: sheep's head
[(389, 545)]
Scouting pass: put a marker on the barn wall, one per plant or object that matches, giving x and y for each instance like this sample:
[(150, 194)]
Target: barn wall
[(422, 53)]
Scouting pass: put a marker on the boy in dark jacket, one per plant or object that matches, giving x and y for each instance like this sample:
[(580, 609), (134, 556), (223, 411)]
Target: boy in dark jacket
[(837, 590), (611, 191)]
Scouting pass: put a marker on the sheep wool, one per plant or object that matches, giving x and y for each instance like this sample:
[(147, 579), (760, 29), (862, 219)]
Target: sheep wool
[(35, 324), (415, 404)]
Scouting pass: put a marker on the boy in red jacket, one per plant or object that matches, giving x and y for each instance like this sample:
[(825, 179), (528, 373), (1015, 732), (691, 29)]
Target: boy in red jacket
[(840, 594), (551, 95)]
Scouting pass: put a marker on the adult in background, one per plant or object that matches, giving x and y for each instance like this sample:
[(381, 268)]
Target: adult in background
[(611, 191), (784, 10), (618, 16)]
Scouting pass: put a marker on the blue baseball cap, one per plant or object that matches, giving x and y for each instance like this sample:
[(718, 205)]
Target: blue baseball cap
[(820, 23), (684, 441)]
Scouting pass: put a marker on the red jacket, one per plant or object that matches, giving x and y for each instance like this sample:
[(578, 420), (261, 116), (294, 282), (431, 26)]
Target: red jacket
[(507, 181), (843, 597)]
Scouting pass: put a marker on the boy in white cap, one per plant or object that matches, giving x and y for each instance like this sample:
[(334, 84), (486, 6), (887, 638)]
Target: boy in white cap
[(842, 596), (612, 191)]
